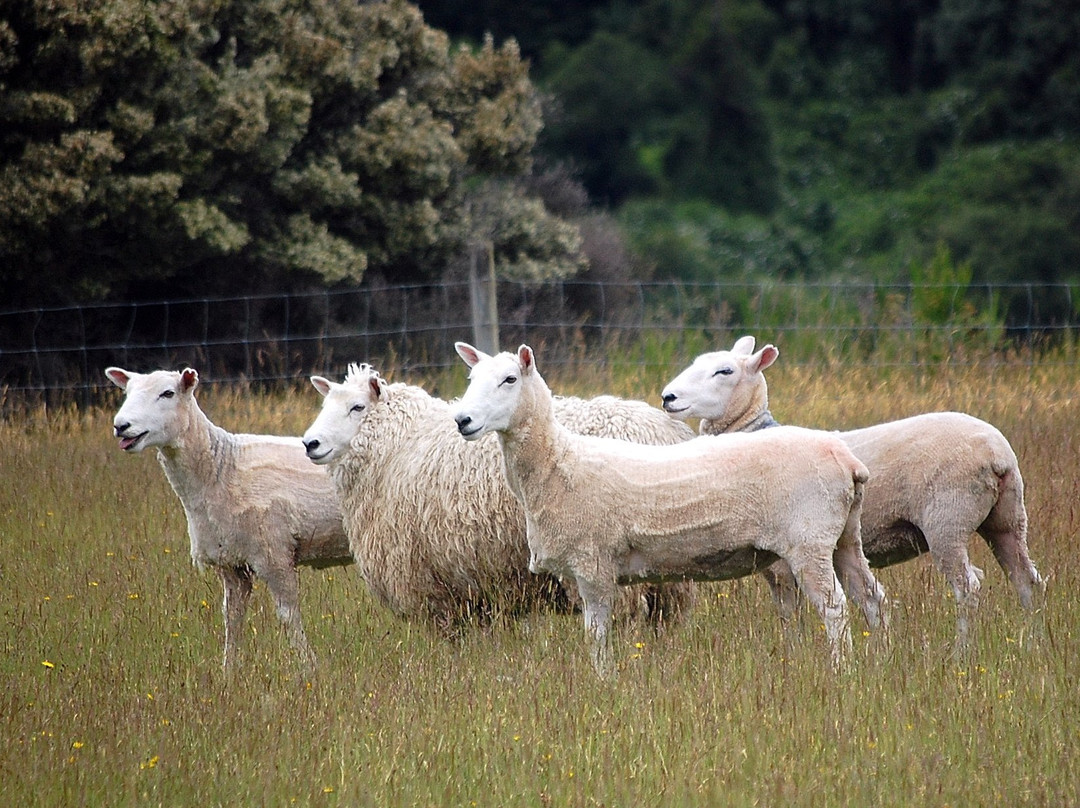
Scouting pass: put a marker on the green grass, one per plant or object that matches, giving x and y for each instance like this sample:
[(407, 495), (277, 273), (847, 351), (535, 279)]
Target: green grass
[(111, 692)]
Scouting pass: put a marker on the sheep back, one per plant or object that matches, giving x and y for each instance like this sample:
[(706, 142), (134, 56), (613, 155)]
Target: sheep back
[(637, 422), (941, 469), (624, 419)]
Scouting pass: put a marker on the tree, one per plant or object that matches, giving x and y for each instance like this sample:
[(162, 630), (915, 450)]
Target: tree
[(168, 148), (663, 101)]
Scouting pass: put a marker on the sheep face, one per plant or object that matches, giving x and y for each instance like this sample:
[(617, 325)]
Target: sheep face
[(491, 399), (344, 408), (153, 408), (708, 387)]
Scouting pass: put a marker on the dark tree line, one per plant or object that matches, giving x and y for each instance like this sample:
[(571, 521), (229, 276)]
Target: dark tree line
[(151, 149), (801, 138)]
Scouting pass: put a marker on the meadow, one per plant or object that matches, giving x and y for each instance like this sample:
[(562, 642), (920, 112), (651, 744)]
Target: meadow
[(112, 693)]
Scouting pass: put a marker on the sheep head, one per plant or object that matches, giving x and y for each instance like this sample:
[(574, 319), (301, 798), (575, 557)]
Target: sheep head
[(343, 410), (494, 391), (155, 405), (724, 386)]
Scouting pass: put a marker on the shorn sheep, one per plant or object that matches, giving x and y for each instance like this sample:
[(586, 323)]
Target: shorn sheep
[(436, 533), (606, 513), (935, 479), (256, 507)]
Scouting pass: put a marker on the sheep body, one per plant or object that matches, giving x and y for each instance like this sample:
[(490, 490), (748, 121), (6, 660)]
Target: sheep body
[(613, 417), (605, 512), (935, 478), (435, 530), (255, 506)]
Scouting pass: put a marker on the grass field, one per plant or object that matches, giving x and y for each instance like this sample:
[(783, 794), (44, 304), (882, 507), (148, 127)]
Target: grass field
[(111, 691)]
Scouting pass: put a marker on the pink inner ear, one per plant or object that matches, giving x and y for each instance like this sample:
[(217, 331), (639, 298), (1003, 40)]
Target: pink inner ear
[(768, 355), (469, 355), (118, 377), (376, 388), (188, 378), (525, 356)]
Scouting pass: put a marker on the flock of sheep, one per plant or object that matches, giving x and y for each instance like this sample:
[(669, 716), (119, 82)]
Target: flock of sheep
[(607, 506)]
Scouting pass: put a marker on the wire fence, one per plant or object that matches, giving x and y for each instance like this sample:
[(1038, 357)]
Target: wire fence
[(60, 352)]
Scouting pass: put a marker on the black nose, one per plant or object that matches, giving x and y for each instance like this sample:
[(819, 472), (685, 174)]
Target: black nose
[(310, 446), (463, 422), (669, 397), (120, 429)]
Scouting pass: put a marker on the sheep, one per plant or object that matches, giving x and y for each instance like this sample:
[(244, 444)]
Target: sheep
[(256, 507), (436, 532), (605, 512), (934, 479)]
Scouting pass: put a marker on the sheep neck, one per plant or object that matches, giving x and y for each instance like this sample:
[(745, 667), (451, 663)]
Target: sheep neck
[(197, 457), (531, 444), (763, 420), (750, 415)]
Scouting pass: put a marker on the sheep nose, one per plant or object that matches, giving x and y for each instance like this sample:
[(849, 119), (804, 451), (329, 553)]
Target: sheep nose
[(669, 398), (120, 428), (463, 422), (311, 445)]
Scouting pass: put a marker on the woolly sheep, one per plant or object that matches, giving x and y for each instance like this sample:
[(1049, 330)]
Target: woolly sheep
[(605, 512), (934, 479), (435, 530), (255, 506)]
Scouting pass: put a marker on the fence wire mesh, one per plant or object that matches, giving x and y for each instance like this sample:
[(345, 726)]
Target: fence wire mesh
[(275, 339)]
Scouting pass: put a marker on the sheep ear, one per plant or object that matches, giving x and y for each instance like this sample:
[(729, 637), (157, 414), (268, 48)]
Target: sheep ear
[(763, 358), (468, 353), (189, 377), (526, 358), (119, 377), (376, 384), (743, 345), (321, 384)]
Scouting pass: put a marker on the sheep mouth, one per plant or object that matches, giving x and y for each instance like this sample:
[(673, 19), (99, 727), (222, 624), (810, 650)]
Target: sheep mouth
[(316, 457), (673, 408), (469, 433), (128, 443)]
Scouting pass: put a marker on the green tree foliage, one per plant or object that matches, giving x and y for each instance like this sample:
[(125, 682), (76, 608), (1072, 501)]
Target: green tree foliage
[(1020, 60), (661, 101), (150, 148), (536, 26)]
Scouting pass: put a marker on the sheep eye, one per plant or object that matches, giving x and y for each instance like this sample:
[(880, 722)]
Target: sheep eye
[(168, 394), (357, 408), (510, 380), (724, 372)]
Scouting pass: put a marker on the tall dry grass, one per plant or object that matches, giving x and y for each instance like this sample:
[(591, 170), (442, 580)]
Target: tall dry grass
[(111, 691)]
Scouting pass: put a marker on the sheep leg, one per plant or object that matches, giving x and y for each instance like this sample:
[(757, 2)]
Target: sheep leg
[(787, 597), (236, 583), (950, 555), (855, 576), (284, 586), (1005, 530), (784, 589), (599, 601), (1011, 551), (817, 580)]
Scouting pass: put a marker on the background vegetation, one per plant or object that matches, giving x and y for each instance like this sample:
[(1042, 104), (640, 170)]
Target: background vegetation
[(153, 150), (111, 691), (850, 137)]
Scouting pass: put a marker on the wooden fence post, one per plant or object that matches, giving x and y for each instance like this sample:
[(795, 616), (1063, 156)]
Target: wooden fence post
[(485, 305)]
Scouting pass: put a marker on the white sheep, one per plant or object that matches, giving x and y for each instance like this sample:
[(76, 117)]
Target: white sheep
[(256, 507), (934, 479), (606, 513), (435, 530)]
